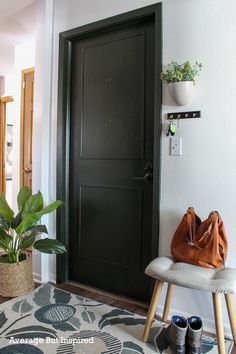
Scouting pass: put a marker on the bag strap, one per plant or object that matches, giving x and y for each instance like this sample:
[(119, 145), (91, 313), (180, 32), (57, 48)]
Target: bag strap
[(219, 220), (215, 218), (191, 222)]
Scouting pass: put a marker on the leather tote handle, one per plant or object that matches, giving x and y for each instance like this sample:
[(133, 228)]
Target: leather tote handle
[(214, 216), (217, 219), (191, 222)]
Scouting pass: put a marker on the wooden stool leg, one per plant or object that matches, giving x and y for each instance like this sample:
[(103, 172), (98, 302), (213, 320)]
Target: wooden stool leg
[(167, 302), (219, 322), (152, 308), (231, 313)]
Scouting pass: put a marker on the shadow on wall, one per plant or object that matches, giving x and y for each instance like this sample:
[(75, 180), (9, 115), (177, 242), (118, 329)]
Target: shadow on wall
[(170, 222)]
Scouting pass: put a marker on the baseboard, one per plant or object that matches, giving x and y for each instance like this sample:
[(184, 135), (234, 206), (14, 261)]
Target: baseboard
[(50, 277), (37, 278), (208, 325)]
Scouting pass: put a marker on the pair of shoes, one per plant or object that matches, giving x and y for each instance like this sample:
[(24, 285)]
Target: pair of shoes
[(183, 336)]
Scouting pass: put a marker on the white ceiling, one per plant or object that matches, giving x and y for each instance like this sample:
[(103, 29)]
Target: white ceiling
[(17, 25)]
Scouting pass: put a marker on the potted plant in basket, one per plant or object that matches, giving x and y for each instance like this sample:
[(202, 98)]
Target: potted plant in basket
[(18, 234), (180, 79)]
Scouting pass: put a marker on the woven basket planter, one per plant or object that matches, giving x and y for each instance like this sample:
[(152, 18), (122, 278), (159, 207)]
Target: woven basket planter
[(16, 279)]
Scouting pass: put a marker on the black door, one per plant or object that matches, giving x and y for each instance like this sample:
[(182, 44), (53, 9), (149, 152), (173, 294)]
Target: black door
[(111, 159)]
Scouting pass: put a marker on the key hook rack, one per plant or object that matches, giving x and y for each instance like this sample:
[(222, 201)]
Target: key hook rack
[(184, 115)]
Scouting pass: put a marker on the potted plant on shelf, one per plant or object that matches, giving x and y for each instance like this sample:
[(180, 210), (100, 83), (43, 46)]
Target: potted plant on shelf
[(180, 79), (17, 235)]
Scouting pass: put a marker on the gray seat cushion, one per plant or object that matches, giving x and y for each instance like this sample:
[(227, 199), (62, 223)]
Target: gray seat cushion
[(190, 276)]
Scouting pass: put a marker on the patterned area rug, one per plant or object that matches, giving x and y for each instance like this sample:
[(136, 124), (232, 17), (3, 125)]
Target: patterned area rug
[(50, 320)]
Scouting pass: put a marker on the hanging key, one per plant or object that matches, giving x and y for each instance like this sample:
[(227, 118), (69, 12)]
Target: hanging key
[(171, 129)]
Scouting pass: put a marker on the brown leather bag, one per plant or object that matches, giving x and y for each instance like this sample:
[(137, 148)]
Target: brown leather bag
[(203, 243)]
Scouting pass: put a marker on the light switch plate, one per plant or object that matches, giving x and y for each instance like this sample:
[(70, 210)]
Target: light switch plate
[(176, 146)]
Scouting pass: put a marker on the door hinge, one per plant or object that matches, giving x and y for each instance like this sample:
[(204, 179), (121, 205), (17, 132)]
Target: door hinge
[(23, 84)]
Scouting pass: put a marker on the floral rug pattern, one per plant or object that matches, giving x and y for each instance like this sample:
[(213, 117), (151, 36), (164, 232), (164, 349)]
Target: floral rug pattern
[(50, 320)]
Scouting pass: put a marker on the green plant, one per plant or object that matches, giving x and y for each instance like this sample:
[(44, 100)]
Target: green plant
[(180, 72), (18, 233)]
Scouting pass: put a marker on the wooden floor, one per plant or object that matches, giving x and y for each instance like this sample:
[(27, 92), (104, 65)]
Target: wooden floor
[(105, 298), (109, 299)]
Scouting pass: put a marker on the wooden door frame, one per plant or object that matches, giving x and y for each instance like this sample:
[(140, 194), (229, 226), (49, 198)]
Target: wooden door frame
[(22, 114), (3, 101), (63, 123)]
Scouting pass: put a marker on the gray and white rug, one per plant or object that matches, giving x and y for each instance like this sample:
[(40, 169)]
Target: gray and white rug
[(50, 320)]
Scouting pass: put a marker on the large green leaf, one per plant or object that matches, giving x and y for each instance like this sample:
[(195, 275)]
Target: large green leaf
[(27, 242), (5, 240), (5, 210), (50, 246), (39, 229), (31, 218), (23, 195), (28, 237), (6, 258), (4, 223), (17, 220), (28, 221), (33, 204), (50, 208)]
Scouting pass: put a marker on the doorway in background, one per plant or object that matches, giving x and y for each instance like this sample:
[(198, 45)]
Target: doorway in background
[(27, 112)]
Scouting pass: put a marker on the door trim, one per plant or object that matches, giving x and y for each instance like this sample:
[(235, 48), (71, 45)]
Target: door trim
[(3, 102), (22, 114), (63, 123)]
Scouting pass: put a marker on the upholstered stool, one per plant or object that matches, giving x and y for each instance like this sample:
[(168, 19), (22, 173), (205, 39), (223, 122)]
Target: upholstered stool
[(216, 281)]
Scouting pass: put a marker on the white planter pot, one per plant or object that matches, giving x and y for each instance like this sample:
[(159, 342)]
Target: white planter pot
[(182, 92)]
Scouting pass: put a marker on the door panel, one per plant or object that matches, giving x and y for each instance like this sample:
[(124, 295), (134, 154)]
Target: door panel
[(112, 119), (110, 66), (106, 206)]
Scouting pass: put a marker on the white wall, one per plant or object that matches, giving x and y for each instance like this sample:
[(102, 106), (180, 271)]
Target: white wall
[(205, 175), (42, 122), (7, 57)]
